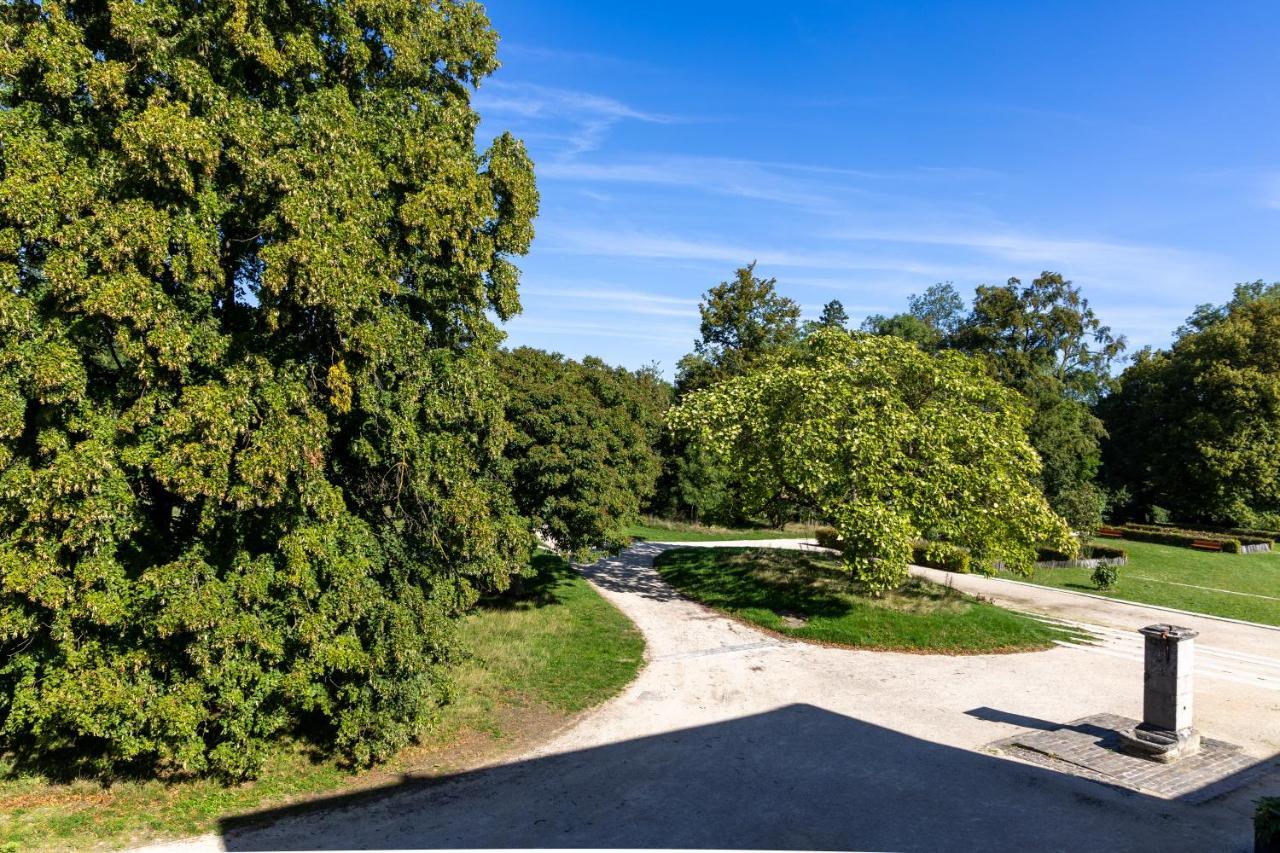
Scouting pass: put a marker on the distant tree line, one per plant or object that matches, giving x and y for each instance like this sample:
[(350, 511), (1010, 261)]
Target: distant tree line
[(1190, 432)]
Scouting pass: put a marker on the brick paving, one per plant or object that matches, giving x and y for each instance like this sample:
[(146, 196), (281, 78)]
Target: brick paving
[(1090, 747)]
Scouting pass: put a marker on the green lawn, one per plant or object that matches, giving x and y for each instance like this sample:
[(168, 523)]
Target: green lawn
[(663, 530), (555, 648), (1239, 586), (811, 597)]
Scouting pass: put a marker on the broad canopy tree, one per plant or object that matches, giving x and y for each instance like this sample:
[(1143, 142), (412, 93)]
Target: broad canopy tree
[(888, 443), (251, 438), (582, 455), (1195, 429)]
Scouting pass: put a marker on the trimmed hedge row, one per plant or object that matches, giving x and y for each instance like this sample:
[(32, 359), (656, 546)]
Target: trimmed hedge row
[(1087, 552), (1184, 540), (1198, 533), (1271, 535)]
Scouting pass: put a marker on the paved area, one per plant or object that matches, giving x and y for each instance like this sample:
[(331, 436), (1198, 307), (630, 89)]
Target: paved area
[(1091, 748), (732, 738)]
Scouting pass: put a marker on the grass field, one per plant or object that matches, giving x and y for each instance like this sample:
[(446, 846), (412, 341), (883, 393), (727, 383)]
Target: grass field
[(536, 658), (664, 530), (812, 598), (1239, 586)]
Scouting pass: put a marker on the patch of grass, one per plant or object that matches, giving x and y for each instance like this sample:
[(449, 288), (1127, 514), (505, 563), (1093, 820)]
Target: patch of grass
[(812, 597), (1238, 586), (666, 530), (550, 648)]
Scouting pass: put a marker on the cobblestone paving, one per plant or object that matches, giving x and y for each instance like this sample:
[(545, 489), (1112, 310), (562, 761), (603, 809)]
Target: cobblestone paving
[(1090, 747)]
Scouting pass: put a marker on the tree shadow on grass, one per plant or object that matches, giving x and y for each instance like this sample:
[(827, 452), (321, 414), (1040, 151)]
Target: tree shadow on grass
[(539, 588)]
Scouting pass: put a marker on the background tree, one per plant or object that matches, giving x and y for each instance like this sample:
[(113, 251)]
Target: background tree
[(931, 320), (251, 438), (741, 321), (582, 458), (886, 442), (1045, 341), (833, 316), (1196, 429)]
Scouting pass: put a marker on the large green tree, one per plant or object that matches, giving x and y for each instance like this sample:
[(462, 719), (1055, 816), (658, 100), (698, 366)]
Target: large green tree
[(583, 456), (742, 320), (887, 443), (1044, 340), (1196, 429), (251, 438)]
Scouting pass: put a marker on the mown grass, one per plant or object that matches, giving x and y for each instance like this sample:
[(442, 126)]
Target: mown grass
[(1238, 586), (536, 657), (812, 597), (665, 530)]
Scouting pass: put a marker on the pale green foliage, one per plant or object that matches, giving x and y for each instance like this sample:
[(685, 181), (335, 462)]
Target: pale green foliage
[(887, 443), (250, 433)]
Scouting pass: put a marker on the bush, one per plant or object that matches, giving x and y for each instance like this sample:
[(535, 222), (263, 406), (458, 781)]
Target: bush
[(942, 555), (1105, 576), (1088, 552), (828, 537)]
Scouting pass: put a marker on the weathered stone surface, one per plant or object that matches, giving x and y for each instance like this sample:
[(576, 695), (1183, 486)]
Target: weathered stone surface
[(1091, 747)]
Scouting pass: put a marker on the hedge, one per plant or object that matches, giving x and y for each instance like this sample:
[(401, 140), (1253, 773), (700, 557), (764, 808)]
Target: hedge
[(1199, 533), (1272, 535), (1088, 552), (1184, 540)]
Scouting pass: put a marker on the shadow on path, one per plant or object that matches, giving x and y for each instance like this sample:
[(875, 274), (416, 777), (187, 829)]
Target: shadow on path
[(795, 777), (632, 571)]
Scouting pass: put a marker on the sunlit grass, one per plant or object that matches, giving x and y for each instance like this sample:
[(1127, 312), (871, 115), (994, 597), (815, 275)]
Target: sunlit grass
[(1238, 586), (812, 597)]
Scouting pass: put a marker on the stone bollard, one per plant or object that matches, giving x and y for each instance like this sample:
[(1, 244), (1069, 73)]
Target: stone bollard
[(1166, 732)]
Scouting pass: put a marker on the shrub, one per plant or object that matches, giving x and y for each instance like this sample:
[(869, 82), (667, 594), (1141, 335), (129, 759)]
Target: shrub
[(1088, 552), (1105, 576), (942, 555), (828, 537)]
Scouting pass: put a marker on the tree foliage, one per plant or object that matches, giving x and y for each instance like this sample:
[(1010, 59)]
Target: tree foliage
[(886, 442), (1045, 341), (251, 438), (583, 456), (742, 320), (1196, 429)]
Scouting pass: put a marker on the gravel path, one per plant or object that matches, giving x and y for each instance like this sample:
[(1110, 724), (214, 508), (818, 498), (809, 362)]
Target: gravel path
[(732, 738)]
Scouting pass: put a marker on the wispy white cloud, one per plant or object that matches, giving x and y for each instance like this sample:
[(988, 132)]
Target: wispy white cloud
[(657, 246), (587, 117), (818, 187), (613, 298)]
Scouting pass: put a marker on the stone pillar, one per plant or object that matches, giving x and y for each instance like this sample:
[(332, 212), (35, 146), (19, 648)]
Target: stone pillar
[(1167, 732)]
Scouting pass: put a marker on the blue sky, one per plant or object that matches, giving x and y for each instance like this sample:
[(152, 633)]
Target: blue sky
[(863, 151)]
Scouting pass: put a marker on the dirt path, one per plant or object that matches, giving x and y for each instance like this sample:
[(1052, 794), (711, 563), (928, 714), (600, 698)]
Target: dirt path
[(731, 738)]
